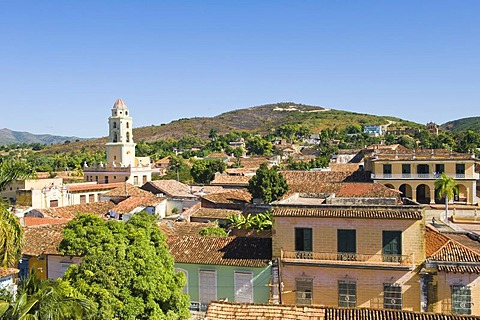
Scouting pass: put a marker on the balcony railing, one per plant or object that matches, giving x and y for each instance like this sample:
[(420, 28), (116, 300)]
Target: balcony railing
[(423, 176), (348, 257)]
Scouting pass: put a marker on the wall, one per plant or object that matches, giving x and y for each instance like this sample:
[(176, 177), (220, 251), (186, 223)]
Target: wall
[(444, 282), (57, 265)]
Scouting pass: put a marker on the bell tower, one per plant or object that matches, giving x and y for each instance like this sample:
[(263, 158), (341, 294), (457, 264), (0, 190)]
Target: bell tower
[(120, 146)]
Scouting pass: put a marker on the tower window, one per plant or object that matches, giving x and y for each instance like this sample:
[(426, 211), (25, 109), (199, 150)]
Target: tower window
[(115, 138), (128, 125), (128, 136), (126, 113), (114, 125)]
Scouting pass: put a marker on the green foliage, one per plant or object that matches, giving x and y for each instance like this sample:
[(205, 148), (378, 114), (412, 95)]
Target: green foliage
[(267, 184), (257, 145), (46, 299), (11, 238), (179, 170), (318, 162), (464, 124), (203, 171), (446, 187), (213, 231), (126, 268), (259, 221)]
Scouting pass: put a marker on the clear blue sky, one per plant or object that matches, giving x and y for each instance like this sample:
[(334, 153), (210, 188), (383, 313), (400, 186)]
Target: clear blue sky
[(64, 63)]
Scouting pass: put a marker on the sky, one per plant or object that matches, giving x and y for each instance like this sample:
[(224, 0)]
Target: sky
[(64, 63)]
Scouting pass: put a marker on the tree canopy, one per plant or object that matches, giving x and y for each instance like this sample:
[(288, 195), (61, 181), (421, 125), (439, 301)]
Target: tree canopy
[(203, 171), (267, 184), (126, 268)]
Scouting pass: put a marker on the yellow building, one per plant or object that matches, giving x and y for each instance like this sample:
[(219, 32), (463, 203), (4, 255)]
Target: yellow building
[(414, 172), (121, 165), (350, 256)]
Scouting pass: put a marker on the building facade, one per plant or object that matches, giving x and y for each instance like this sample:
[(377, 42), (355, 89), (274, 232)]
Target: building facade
[(121, 164)]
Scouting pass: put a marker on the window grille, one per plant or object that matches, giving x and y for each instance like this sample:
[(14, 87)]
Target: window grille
[(347, 294), (392, 296), (461, 299)]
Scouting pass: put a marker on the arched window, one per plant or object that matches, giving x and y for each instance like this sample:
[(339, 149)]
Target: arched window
[(128, 125), (115, 137), (114, 125), (128, 136)]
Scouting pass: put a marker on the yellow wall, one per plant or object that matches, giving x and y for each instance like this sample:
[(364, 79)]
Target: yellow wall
[(39, 265), (369, 285), (444, 281)]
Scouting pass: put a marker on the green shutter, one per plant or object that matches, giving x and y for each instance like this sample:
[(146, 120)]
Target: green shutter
[(346, 241)]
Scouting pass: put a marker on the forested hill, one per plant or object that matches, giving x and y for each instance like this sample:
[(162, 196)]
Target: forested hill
[(464, 124), (16, 137), (261, 119)]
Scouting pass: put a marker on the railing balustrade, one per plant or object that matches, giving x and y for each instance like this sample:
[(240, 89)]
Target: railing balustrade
[(348, 256)]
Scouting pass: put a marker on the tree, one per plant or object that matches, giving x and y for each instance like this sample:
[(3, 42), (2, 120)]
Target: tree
[(446, 187), (267, 184), (10, 229), (126, 268), (47, 299), (213, 231), (203, 171)]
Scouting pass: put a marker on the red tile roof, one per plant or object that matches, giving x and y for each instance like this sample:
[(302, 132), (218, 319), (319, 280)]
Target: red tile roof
[(100, 208), (126, 190), (214, 213), (450, 255), (4, 272), (226, 179), (345, 189), (42, 239), (249, 311), (229, 251), (367, 212), (180, 229), (310, 179), (92, 187), (171, 188), (234, 196), (130, 204), (36, 221)]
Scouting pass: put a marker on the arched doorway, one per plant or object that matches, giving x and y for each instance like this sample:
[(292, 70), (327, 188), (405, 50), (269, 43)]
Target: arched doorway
[(423, 194), (388, 185), (462, 193), (406, 191)]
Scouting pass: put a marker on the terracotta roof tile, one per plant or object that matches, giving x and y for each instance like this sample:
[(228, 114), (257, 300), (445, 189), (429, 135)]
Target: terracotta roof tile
[(100, 208), (91, 187), (180, 229), (171, 188), (226, 179), (126, 190), (230, 251), (345, 189), (36, 221), (347, 212), (450, 255), (8, 271), (249, 311), (343, 167), (235, 196), (252, 162), (131, 203), (309, 180), (214, 213), (42, 239)]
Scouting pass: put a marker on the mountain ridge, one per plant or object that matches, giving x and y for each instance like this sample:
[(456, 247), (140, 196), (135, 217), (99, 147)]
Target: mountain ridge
[(8, 136)]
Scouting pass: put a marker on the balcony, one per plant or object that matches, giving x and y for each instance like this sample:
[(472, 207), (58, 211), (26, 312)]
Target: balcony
[(348, 259), (420, 176)]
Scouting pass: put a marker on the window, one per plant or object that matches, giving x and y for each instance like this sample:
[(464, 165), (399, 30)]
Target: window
[(115, 138), (461, 299), (439, 168), (347, 294), (114, 125), (406, 169), (83, 199), (392, 296), (243, 286), (303, 239), (144, 179), (208, 287), (304, 289), (392, 246), (91, 198), (128, 125), (96, 178), (135, 180), (106, 179), (53, 203), (422, 169), (128, 136), (387, 169), (460, 168), (346, 245)]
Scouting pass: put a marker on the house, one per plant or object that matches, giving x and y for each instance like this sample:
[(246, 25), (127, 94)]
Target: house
[(100, 209), (414, 172), (234, 200), (150, 203), (347, 255), (179, 195), (229, 180), (374, 130), (218, 156), (231, 268), (213, 215), (7, 279), (124, 191), (121, 164), (452, 272), (40, 252), (221, 310)]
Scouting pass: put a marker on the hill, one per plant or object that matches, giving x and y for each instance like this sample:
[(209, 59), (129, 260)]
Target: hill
[(472, 123), (261, 119), (16, 137)]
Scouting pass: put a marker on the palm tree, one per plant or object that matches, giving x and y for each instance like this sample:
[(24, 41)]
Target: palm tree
[(10, 229), (446, 187)]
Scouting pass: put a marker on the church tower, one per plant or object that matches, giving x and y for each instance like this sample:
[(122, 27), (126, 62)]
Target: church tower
[(120, 146)]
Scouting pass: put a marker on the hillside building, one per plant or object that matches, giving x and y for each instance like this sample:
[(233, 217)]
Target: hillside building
[(122, 165)]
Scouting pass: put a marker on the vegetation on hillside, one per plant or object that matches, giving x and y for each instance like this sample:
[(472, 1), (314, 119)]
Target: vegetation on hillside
[(464, 124)]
